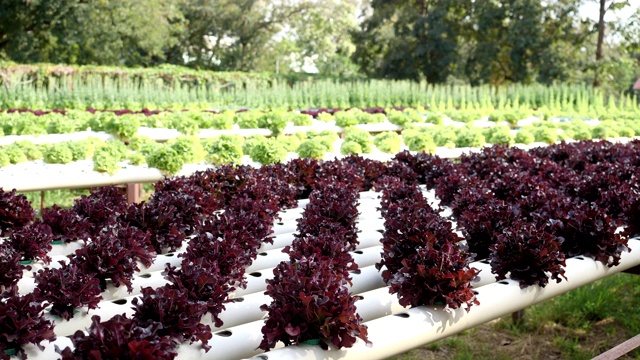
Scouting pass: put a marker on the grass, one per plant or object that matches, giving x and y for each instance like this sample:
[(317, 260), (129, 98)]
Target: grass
[(578, 325)]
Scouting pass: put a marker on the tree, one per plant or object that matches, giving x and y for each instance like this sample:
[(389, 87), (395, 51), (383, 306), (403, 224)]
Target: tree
[(115, 32), (604, 8)]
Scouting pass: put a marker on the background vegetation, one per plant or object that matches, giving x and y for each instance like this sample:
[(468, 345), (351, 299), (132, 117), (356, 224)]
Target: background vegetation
[(440, 41)]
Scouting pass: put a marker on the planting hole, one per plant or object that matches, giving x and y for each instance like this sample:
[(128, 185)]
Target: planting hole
[(225, 333), (360, 297), (262, 254), (256, 274), (145, 276), (169, 254), (475, 292), (403, 315), (120, 301), (280, 223), (263, 357), (484, 261), (503, 282), (380, 231), (358, 252), (240, 299), (579, 258)]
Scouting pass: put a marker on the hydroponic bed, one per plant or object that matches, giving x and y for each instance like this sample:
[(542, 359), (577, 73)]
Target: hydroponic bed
[(285, 241)]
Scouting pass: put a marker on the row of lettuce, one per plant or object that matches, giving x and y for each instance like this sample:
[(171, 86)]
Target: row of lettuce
[(170, 157), (525, 212), (125, 123)]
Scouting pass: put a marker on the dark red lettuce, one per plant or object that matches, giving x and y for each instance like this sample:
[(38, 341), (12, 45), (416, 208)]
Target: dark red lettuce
[(67, 288), (33, 241), (120, 338), (22, 322), (15, 212)]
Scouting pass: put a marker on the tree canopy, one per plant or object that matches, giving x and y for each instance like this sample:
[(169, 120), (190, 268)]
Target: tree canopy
[(478, 42)]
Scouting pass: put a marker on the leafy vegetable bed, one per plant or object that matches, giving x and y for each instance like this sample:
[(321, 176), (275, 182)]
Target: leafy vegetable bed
[(524, 213)]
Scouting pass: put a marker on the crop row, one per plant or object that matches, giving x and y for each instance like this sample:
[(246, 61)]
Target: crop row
[(512, 207)]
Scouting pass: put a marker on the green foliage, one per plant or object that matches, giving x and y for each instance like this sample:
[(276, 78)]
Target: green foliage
[(105, 159), (434, 118), (136, 158), (350, 148), (325, 116), (81, 149), (577, 130), (137, 142), (499, 135), (290, 142), (469, 136), (347, 118), (116, 148), (444, 136), (59, 153), (31, 151), (4, 158), (166, 159), (226, 149), (268, 151), (221, 121), (275, 121), (405, 117), (247, 119), (524, 136), (463, 116), (362, 137), (299, 119), (251, 142), (15, 153), (417, 140), (185, 124), (189, 148), (388, 142), (60, 124), (123, 126), (312, 149), (548, 135)]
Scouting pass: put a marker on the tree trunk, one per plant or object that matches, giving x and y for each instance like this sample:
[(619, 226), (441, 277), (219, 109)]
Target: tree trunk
[(596, 76)]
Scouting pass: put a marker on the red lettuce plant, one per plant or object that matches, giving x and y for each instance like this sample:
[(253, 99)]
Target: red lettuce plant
[(179, 316), (15, 212), (424, 264), (310, 301), (113, 254), (66, 225), (429, 168), (10, 268), (67, 288), (120, 338), (101, 208), (33, 241), (21, 323), (528, 253)]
